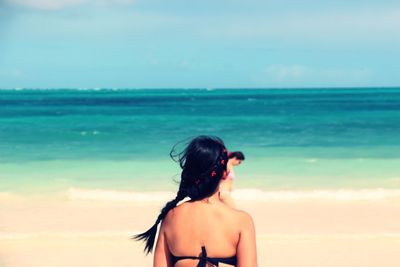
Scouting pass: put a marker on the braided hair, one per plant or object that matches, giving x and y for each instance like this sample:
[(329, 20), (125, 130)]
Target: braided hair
[(203, 164)]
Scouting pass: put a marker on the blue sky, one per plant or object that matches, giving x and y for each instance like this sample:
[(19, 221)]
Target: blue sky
[(208, 44)]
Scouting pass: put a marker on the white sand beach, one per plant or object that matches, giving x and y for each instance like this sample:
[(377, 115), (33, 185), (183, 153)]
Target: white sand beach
[(64, 231)]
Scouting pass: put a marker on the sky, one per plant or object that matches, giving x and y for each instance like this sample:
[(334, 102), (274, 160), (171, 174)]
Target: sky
[(199, 44)]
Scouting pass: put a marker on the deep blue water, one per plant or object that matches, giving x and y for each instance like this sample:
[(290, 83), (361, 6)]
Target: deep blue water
[(119, 125)]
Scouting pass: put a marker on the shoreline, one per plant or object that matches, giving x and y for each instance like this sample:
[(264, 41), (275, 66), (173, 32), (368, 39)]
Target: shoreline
[(240, 194)]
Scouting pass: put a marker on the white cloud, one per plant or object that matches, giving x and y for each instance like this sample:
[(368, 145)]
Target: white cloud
[(10, 73), (305, 26), (279, 74), (284, 72), (60, 4)]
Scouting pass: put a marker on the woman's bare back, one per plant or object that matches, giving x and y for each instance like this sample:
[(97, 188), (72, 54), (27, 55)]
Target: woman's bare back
[(211, 224)]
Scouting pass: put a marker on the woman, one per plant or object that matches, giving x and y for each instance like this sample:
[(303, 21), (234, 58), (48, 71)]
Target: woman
[(203, 231), (226, 187), (235, 159)]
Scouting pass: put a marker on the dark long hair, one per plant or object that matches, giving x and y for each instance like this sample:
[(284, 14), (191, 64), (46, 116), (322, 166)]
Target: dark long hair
[(203, 164), (236, 154)]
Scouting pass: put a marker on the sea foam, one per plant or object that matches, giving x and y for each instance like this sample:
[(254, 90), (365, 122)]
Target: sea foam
[(239, 194), (113, 195)]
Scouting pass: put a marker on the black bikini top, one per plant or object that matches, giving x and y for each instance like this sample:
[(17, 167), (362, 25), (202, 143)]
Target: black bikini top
[(203, 259)]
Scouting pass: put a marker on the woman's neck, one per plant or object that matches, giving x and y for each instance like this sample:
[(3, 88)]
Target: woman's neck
[(213, 198)]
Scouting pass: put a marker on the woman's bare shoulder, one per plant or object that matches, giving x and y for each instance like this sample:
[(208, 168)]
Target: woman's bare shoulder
[(243, 218), (176, 211)]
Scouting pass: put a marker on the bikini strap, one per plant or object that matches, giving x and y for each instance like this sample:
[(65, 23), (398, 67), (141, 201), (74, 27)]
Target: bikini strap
[(203, 258)]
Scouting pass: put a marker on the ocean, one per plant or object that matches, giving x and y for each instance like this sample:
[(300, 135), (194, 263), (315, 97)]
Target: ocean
[(117, 142)]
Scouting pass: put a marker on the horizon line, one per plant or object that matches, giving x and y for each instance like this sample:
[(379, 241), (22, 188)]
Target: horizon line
[(198, 88)]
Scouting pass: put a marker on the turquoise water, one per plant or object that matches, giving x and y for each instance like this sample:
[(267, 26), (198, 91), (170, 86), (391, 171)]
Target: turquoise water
[(121, 139)]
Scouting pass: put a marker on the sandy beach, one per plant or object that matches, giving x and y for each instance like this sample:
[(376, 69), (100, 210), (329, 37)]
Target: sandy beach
[(40, 231)]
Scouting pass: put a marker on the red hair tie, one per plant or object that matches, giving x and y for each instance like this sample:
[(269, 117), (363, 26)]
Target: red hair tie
[(213, 173), (222, 161)]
